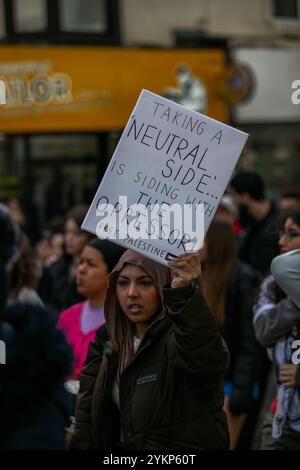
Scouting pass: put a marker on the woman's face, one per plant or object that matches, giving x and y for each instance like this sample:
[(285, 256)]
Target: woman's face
[(92, 273), (290, 236), (75, 239), (137, 295)]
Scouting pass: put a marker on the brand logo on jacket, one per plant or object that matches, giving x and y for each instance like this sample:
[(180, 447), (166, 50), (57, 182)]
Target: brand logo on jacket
[(147, 379)]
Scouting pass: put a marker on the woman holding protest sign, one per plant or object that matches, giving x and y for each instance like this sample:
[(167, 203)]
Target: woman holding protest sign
[(154, 378)]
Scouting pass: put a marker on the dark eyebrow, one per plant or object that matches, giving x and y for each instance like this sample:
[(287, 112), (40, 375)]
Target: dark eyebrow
[(146, 276), (86, 258)]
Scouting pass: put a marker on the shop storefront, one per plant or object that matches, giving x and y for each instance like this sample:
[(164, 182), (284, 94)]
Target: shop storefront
[(66, 107)]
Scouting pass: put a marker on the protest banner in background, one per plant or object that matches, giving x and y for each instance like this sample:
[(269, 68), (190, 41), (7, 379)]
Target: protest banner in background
[(167, 155)]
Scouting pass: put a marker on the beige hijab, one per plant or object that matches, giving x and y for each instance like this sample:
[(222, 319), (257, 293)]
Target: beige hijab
[(119, 328)]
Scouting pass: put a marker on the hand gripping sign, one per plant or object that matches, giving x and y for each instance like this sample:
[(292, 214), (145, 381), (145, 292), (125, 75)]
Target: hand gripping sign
[(165, 179)]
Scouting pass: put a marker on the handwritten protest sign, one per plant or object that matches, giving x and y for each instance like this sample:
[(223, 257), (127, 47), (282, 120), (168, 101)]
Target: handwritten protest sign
[(167, 156)]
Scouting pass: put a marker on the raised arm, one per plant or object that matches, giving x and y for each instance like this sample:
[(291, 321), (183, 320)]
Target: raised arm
[(201, 351)]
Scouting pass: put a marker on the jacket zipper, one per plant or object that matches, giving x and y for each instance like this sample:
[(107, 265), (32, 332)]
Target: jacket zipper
[(129, 430), (130, 423)]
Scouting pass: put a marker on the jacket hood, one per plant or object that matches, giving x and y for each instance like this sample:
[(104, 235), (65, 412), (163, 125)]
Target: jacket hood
[(118, 326)]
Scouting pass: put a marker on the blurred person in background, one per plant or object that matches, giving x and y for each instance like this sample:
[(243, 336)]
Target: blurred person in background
[(81, 321), (34, 405), (25, 215), (16, 211), (228, 212), (289, 200), (57, 247), (49, 250), (229, 287), (257, 216), (277, 325), (22, 278), (57, 286), (51, 246)]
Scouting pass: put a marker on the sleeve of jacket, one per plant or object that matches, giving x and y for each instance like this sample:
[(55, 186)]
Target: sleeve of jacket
[(276, 321), (244, 372), (201, 351), (286, 270), (82, 436)]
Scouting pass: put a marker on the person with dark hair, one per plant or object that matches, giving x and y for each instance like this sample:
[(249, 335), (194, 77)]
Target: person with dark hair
[(271, 294), (289, 200), (34, 406), (157, 383), (81, 321), (257, 215), (22, 278), (57, 286), (277, 325), (250, 183), (229, 287)]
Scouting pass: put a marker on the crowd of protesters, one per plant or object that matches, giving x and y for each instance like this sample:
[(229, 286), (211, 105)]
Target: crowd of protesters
[(106, 349)]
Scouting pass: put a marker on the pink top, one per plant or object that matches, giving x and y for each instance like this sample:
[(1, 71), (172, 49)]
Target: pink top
[(70, 321)]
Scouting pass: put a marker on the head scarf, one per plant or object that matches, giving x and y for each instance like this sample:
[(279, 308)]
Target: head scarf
[(119, 328)]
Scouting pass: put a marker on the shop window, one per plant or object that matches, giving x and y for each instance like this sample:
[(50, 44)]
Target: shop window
[(63, 146), (61, 21), (30, 16), (12, 158), (76, 17), (2, 20), (286, 10)]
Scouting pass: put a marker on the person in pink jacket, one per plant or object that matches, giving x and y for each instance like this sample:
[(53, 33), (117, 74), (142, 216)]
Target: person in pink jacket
[(81, 321)]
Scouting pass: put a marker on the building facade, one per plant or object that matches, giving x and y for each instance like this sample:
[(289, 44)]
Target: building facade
[(74, 69)]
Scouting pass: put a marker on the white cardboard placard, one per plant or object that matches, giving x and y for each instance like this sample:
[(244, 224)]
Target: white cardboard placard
[(167, 154)]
